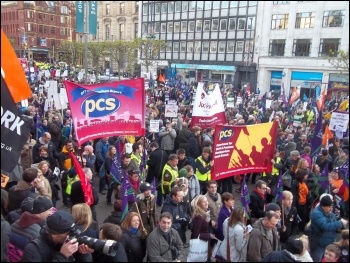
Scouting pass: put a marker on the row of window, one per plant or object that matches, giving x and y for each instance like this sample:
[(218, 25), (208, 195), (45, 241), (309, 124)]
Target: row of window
[(48, 41), (334, 18), (64, 31), (121, 8), (121, 32), (230, 24), (44, 17), (184, 6), (302, 47)]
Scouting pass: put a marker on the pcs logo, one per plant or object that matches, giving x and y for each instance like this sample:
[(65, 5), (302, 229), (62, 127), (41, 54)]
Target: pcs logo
[(99, 105), (225, 134)]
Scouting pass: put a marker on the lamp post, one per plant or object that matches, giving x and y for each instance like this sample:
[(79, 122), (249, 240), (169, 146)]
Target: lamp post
[(86, 39), (248, 54)]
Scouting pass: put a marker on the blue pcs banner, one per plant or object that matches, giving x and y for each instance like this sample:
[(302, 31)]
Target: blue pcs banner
[(92, 17), (79, 16)]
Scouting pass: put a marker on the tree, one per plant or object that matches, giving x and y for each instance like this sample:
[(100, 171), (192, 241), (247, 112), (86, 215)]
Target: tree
[(96, 50), (341, 62), (120, 52), (150, 49), (71, 52)]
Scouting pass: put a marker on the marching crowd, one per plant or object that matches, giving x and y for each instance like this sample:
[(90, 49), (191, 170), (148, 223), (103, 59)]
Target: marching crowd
[(170, 179)]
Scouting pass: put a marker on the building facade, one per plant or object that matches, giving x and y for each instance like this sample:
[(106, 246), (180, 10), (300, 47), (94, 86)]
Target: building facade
[(205, 40), (292, 40), (36, 28)]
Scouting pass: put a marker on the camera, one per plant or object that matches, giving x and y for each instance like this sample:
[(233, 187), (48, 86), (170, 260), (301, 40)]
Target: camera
[(107, 247)]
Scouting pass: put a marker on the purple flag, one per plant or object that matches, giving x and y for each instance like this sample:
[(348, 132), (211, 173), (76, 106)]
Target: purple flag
[(116, 171), (128, 196), (323, 180), (279, 189), (245, 197), (316, 140), (344, 169)]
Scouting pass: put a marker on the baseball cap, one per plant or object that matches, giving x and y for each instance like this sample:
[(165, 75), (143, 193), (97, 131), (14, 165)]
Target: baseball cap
[(145, 187), (60, 222)]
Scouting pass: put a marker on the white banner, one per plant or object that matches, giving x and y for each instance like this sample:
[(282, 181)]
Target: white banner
[(154, 125), (268, 104), (171, 110), (339, 121), (230, 103), (207, 105)]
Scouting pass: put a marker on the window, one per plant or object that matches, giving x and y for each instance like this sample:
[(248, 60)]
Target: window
[(241, 23), (183, 46), (184, 6), (279, 21), (205, 47), (170, 7), (233, 4), (222, 45), (178, 6), (144, 28), (230, 46), (197, 46), (177, 27), (276, 47), (207, 5), (121, 31), (333, 18), (107, 32), (305, 20), (206, 25), (232, 24), (213, 46), (169, 46), (164, 7), (40, 16), (223, 24), (45, 29), (199, 25), (136, 7), (156, 27), (122, 8), (239, 47), (64, 10), (52, 18), (190, 26), (136, 30), (183, 26), (224, 4), (52, 30), (199, 6), (170, 27), (29, 27), (192, 6), (176, 47), (216, 4), (280, 2), (151, 9), (108, 11), (190, 46), (163, 27), (301, 47), (329, 47), (62, 31), (215, 25), (40, 28), (157, 8)]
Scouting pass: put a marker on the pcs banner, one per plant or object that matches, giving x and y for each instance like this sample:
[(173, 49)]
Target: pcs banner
[(108, 109), (243, 149)]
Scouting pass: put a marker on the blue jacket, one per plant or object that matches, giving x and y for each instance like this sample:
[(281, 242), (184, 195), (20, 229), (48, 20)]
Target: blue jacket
[(223, 214), (325, 226)]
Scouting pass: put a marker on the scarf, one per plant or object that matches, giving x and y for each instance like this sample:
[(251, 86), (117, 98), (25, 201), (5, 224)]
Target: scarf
[(260, 194), (133, 230), (134, 184)]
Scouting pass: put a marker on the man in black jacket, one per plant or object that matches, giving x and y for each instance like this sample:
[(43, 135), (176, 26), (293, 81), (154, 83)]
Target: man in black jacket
[(259, 197), (156, 161)]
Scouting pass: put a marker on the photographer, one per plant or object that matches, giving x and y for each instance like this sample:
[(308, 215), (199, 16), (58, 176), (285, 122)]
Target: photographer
[(53, 244)]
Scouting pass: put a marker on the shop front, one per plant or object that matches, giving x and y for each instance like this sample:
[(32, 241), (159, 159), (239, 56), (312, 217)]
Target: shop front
[(307, 81), (338, 86)]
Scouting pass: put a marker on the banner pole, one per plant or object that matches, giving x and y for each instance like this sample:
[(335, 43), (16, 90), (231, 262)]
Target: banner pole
[(86, 39)]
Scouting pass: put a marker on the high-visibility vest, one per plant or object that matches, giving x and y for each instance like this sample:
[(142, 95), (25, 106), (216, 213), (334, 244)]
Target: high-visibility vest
[(70, 181), (174, 174), (203, 177), (274, 171), (310, 116), (136, 158)]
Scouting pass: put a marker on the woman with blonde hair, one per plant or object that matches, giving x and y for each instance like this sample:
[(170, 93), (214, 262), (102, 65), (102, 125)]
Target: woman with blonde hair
[(135, 247), (45, 183), (44, 167), (237, 235), (83, 220), (305, 255)]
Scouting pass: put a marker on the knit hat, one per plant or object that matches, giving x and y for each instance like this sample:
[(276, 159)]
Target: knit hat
[(272, 207), (326, 201), (60, 222), (183, 172), (41, 204), (145, 187), (27, 204), (295, 153), (294, 245)]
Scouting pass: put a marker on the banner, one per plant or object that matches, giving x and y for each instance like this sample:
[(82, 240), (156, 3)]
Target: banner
[(92, 17), (14, 130), (208, 110), (243, 149), (154, 126), (79, 16), (108, 109), (339, 121), (171, 111)]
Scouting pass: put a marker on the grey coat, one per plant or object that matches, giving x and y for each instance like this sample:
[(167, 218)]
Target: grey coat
[(167, 139), (158, 248)]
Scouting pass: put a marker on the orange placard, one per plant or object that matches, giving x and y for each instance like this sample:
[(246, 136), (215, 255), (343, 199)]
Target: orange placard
[(12, 71), (4, 180)]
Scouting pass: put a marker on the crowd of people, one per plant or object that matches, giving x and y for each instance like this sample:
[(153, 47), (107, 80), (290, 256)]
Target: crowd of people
[(170, 178)]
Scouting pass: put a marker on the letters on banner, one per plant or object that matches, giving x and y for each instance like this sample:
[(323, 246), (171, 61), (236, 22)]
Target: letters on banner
[(108, 109)]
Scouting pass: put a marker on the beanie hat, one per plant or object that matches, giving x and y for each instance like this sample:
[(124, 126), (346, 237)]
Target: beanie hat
[(326, 201), (183, 172), (272, 207), (41, 204), (27, 204), (145, 187), (60, 222)]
